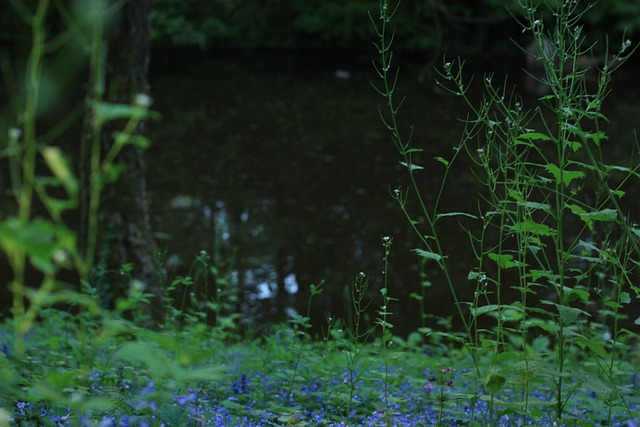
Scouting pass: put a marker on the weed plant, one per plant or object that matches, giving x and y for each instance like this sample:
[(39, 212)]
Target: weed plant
[(551, 223)]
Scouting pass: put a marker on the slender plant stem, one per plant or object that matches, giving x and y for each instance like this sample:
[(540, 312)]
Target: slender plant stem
[(25, 196), (98, 61), (431, 240)]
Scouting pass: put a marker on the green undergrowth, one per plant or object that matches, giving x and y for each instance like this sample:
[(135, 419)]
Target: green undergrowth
[(104, 370)]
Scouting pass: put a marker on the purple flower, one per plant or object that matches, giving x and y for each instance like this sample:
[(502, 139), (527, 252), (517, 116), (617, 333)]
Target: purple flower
[(241, 386), (150, 388), (187, 398)]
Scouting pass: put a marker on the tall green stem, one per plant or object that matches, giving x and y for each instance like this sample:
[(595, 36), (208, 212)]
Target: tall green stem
[(98, 59), (388, 89), (25, 196)]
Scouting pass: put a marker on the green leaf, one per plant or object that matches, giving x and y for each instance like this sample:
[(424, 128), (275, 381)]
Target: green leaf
[(456, 214), (535, 136), (122, 139), (625, 298), (235, 407), (618, 193), (484, 309), (569, 314), (589, 381), (578, 294), (442, 160), (572, 128), (598, 137), (554, 170), (532, 227), (411, 166), (495, 382), (624, 169), (80, 401), (613, 305), (509, 356), (58, 164), (546, 326), (303, 321), (585, 166), (505, 260), (207, 373), (453, 337), (604, 215), (574, 145), (501, 260), (511, 314), (535, 274), (428, 255), (516, 195), (564, 176), (475, 275), (41, 240), (105, 112), (139, 353), (535, 206), (596, 347), (523, 377), (488, 343)]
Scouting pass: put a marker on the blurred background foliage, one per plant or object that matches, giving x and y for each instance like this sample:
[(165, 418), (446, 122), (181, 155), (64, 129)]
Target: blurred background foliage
[(469, 26), (456, 26)]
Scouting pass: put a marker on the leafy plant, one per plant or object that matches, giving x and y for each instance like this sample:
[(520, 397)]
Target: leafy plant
[(301, 325), (550, 222), (350, 338), (48, 244)]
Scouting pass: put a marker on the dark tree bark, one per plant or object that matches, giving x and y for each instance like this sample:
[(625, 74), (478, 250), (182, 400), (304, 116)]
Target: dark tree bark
[(125, 235)]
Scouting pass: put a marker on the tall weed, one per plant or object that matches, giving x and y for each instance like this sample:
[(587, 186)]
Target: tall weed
[(551, 221), (45, 241)]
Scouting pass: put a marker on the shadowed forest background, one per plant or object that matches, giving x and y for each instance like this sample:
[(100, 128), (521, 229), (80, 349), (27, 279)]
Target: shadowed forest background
[(269, 169)]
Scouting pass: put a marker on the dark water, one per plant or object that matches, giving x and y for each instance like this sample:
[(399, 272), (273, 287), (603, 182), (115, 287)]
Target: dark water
[(278, 166)]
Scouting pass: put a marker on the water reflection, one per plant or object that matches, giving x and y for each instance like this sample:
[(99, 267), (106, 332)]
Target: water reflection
[(280, 167)]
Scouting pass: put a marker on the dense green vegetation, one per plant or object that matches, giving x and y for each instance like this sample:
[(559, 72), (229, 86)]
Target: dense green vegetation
[(472, 26), (551, 222)]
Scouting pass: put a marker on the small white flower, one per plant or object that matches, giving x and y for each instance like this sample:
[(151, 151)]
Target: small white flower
[(60, 257), (15, 133), (138, 285), (142, 100)]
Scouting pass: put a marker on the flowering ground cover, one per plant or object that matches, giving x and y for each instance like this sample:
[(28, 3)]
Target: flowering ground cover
[(117, 375)]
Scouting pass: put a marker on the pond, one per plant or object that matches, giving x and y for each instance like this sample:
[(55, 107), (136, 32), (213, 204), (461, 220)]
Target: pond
[(277, 165)]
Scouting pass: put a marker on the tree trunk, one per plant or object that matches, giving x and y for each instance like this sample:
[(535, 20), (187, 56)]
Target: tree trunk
[(126, 250)]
